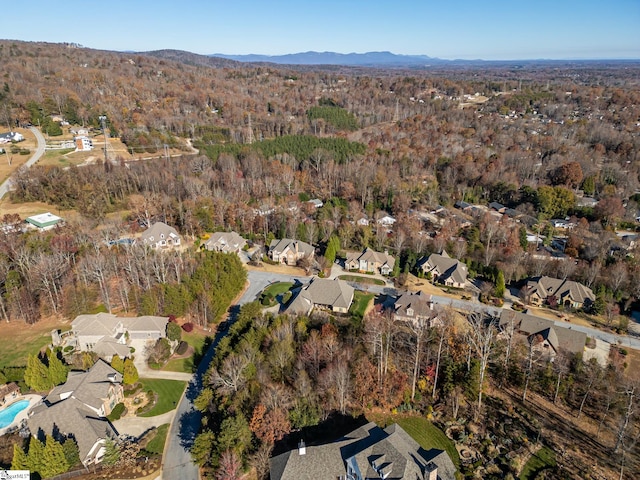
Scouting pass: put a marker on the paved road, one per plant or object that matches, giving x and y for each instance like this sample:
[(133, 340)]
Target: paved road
[(177, 462), (6, 185)]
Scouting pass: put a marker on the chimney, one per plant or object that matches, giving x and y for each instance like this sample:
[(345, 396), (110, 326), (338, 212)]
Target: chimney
[(432, 471), (302, 449)]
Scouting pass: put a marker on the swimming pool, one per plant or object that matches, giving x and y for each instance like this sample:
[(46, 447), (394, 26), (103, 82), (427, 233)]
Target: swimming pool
[(8, 415)]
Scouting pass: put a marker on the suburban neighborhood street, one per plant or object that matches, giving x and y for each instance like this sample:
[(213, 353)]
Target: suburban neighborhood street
[(178, 465), (6, 185)]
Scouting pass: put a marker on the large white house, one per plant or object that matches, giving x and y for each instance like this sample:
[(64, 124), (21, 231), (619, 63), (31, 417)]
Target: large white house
[(107, 335)]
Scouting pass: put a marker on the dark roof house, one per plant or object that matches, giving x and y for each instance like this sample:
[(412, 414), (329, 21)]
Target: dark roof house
[(566, 292), (368, 452)]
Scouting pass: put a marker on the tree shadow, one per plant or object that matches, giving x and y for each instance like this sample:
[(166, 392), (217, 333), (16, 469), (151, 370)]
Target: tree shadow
[(188, 428)]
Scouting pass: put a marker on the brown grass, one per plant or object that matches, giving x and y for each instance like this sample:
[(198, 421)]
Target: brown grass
[(16, 160), (18, 339)]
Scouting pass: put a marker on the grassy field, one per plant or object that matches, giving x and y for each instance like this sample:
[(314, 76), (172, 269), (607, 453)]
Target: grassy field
[(24, 340), (361, 279), (422, 431), (17, 160), (543, 459), (360, 302), (196, 340), (169, 393), (156, 445)]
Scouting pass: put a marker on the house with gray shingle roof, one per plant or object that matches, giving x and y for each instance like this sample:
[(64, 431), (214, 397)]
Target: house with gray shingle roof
[(445, 269), (226, 242), (289, 251), (77, 409), (334, 295), (107, 335), (370, 261), (160, 235), (544, 333), (414, 307), (366, 453), (539, 290)]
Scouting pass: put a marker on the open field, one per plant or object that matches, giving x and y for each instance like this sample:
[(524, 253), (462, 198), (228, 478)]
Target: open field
[(19, 339), (156, 444), (542, 459)]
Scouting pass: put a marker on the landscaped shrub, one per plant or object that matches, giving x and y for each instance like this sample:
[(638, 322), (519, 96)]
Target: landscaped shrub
[(182, 348), (116, 413), (68, 348), (188, 327)]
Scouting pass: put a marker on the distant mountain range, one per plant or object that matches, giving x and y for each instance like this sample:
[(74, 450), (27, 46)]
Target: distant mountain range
[(369, 59)]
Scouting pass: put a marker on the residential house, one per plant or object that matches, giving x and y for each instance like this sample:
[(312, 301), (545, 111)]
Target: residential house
[(445, 269), (385, 220), (546, 337), (226, 242), (83, 144), (77, 410), (289, 251), (11, 137), (362, 222), (562, 223), (462, 205), (107, 335), (568, 293), (498, 207), (415, 307), (334, 295), (8, 392), (43, 221), (366, 453), (160, 235), (315, 202), (370, 261)]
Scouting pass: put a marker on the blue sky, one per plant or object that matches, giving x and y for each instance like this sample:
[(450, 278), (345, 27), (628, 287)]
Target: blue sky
[(491, 30)]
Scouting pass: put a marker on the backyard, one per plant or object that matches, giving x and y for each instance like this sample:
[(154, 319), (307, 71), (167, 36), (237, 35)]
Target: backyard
[(25, 339), (362, 279)]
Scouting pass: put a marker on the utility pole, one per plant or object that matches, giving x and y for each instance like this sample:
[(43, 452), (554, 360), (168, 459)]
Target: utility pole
[(103, 121)]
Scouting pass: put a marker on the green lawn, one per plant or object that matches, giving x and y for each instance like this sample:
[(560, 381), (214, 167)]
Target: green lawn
[(360, 302), (424, 432), (277, 288), (156, 445), (169, 393), (196, 340), (25, 340), (541, 460), (361, 279)]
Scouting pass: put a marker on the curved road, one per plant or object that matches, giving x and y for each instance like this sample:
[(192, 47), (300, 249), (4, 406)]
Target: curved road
[(6, 185), (177, 463)]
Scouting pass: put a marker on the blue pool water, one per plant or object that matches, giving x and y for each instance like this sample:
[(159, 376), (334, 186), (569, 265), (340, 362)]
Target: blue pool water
[(7, 415)]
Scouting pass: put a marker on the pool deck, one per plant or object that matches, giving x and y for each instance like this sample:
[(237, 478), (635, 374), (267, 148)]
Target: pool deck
[(34, 400)]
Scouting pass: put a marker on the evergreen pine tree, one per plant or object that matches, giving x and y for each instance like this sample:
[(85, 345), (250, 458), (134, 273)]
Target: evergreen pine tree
[(130, 375), (71, 452), (111, 452), (36, 455), (500, 286), (117, 364), (36, 375), (20, 460), (55, 461), (57, 370)]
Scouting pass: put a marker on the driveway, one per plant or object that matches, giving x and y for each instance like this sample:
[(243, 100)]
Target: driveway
[(136, 426), (140, 361), (6, 185)]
